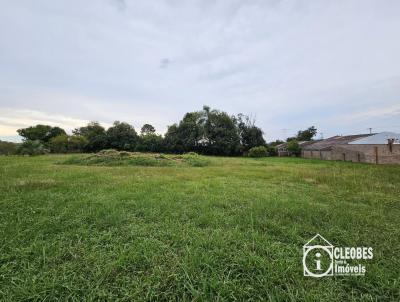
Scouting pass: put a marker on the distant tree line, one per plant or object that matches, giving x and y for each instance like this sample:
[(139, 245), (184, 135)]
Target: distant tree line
[(208, 131)]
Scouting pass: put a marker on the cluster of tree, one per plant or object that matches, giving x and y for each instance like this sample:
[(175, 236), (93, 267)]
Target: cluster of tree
[(206, 131), (41, 139), (213, 132), (120, 136)]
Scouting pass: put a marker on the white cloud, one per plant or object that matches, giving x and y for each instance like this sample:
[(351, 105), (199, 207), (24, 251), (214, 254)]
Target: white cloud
[(385, 112), (12, 119), (292, 63)]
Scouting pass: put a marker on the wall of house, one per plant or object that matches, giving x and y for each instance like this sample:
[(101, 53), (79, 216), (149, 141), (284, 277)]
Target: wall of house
[(346, 154), (316, 154), (358, 153), (367, 153), (308, 154), (305, 154), (283, 153), (326, 155)]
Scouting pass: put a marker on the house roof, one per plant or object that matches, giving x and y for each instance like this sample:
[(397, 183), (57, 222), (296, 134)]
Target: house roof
[(306, 143), (328, 143), (378, 139), (301, 144), (318, 240)]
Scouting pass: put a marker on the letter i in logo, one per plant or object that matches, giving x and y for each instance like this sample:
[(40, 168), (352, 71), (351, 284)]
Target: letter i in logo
[(318, 261)]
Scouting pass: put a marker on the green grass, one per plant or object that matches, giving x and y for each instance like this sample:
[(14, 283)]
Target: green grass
[(231, 230)]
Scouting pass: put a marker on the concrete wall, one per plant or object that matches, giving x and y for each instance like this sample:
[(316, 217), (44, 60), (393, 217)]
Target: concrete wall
[(305, 154), (313, 154), (326, 155), (283, 153), (370, 153), (359, 153)]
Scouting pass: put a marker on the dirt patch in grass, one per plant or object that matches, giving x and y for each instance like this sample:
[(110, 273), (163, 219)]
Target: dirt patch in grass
[(124, 158)]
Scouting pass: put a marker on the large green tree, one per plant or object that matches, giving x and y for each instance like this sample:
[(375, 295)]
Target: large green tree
[(250, 135), (42, 133), (122, 136), (221, 135), (149, 141), (188, 135), (206, 131), (306, 135), (95, 134), (147, 129), (172, 139)]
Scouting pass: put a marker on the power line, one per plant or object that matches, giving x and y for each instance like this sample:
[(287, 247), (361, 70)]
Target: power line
[(285, 132)]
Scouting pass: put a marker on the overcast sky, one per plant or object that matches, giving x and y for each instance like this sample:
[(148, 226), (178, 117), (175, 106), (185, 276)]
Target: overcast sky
[(291, 64)]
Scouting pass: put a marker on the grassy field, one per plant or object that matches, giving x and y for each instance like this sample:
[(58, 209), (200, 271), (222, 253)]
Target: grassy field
[(231, 230)]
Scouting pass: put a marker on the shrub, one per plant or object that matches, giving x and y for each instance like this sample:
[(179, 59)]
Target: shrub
[(272, 151), (32, 148), (293, 147), (259, 151)]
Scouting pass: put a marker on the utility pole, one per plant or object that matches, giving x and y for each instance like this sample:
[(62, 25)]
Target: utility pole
[(370, 130)]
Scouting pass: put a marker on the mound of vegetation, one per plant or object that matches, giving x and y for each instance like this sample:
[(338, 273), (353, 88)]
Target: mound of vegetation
[(113, 157)]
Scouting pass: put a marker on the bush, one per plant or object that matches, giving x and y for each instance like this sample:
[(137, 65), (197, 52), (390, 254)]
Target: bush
[(32, 148), (272, 151), (293, 147), (259, 151)]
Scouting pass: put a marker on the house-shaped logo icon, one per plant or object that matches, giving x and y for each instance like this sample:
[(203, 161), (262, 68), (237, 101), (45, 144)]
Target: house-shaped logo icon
[(313, 252)]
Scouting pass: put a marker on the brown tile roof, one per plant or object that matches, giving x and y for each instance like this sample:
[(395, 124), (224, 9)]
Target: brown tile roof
[(327, 144), (301, 144)]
